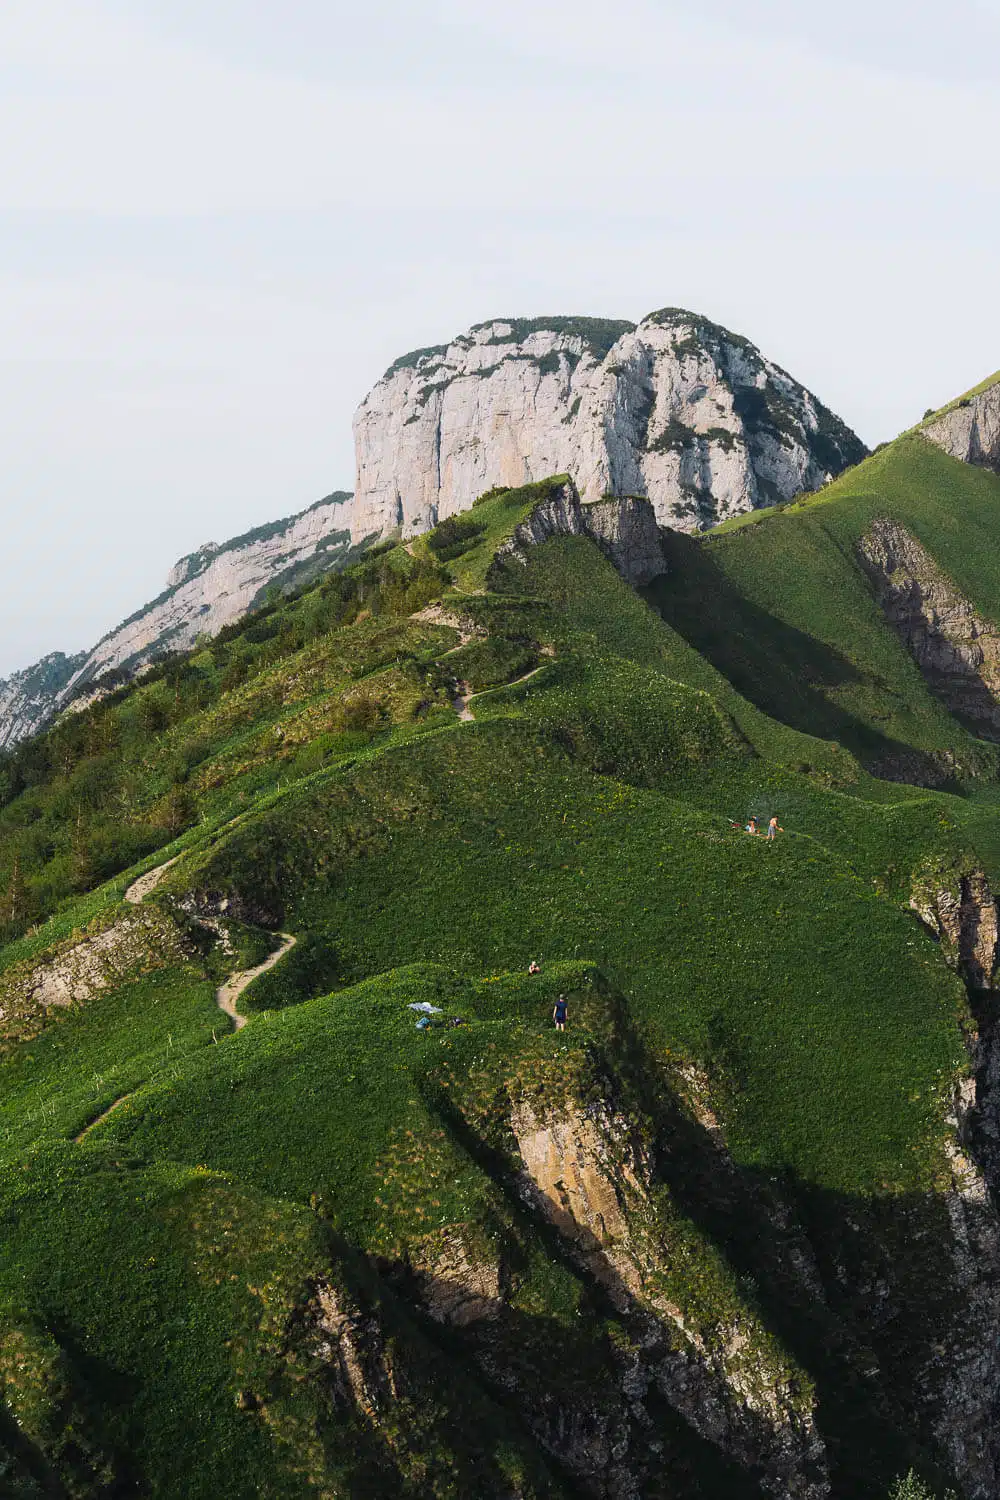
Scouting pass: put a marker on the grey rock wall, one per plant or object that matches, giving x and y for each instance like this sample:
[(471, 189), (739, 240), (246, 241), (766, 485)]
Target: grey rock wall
[(677, 410), (956, 648), (970, 430), (27, 697), (626, 531)]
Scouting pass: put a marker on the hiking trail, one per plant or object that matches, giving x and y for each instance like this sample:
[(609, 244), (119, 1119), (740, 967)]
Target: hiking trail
[(148, 882), (227, 994), (99, 1119), (460, 703)]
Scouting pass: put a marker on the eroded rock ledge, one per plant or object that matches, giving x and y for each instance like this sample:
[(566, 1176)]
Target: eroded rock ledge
[(625, 529), (956, 648), (970, 430)]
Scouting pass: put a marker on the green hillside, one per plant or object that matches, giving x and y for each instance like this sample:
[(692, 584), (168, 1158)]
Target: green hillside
[(701, 1243)]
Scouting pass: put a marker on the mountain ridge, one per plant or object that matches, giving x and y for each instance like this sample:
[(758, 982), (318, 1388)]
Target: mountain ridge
[(752, 435), (205, 590)]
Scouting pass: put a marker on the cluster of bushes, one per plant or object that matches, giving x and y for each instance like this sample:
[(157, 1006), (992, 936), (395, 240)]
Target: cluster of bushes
[(674, 438), (453, 536), (495, 493)]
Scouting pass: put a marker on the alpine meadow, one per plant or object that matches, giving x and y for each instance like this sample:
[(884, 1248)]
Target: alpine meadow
[(302, 1192)]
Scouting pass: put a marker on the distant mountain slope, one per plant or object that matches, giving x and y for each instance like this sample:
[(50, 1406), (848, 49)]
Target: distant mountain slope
[(205, 591), (869, 614), (27, 697), (678, 410)]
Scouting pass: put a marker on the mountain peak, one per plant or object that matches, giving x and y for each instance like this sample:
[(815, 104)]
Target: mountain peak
[(676, 409)]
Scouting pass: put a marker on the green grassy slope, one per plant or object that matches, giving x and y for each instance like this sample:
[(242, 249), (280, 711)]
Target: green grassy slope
[(793, 624), (312, 776)]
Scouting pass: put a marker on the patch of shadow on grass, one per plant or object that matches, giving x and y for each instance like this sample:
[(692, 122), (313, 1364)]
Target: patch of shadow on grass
[(782, 670)]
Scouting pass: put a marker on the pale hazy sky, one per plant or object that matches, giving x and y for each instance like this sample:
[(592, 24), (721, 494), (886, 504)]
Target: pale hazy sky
[(219, 222)]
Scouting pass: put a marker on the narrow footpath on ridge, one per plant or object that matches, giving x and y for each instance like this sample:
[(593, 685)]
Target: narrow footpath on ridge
[(460, 703), (227, 994), (148, 882), (101, 1117), (226, 997)]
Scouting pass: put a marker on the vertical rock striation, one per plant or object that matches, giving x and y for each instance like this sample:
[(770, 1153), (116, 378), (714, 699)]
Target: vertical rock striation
[(677, 410), (970, 429), (956, 648), (962, 1382)]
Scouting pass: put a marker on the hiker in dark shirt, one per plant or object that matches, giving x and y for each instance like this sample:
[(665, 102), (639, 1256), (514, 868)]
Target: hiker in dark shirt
[(559, 1013)]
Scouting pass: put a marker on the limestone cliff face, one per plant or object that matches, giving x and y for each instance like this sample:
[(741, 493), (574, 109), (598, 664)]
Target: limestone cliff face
[(956, 648), (218, 584), (677, 410), (960, 1383), (27, 697), (205, 591), (970, 430)]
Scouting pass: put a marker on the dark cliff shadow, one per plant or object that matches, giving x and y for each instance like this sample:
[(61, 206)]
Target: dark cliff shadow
[(783, 671), (859, 1290)]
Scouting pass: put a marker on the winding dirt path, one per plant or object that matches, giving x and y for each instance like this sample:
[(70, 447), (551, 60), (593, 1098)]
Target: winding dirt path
[(460, 703), (148, 882), (227, 994), (100, 1118)]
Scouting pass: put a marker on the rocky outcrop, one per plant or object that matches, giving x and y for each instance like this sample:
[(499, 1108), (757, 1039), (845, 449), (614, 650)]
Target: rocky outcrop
[(970, 429), (589, 1175), (206, 590), (677, 410), (457, 1287), (962, 1380), (84, 966), (956, 648), (625, 530), (27, 698), (961, 911)]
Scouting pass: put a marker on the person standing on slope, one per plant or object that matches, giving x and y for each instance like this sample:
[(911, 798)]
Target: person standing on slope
[(773, 829), (559, 1013)]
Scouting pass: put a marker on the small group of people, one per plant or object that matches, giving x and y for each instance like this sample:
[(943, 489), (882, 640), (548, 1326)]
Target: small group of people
[(773, 828), (561, 1008)]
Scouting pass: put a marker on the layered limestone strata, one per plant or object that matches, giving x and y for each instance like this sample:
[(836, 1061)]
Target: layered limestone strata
[(970, 430), (956, 648), (677, 410)]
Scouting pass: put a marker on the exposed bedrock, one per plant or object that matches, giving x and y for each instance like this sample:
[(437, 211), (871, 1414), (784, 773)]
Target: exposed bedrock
[(970, 430), (678, 410), (962, 1380), (956, 648), (625, 530)]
